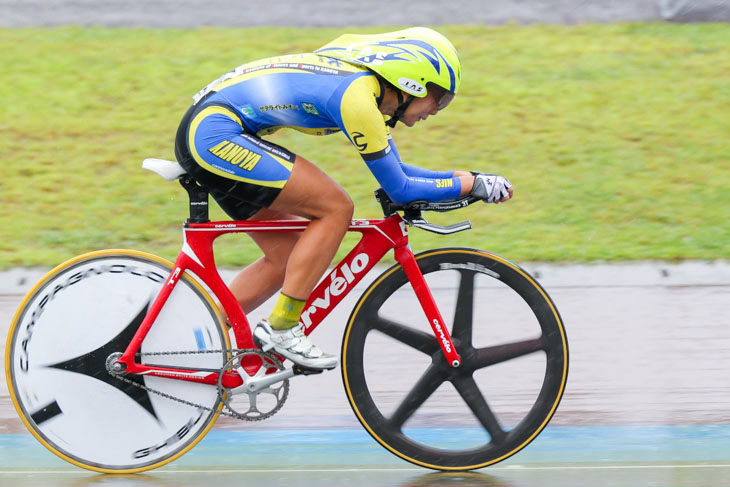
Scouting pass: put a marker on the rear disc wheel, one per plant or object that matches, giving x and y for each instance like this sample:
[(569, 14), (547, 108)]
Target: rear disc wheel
[(64, 338)]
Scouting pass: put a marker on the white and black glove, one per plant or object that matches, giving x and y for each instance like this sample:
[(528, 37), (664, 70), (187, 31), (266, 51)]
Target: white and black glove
[(490, 187)]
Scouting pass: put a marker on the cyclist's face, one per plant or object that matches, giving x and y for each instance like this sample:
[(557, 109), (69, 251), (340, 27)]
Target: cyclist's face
[(420, 109)]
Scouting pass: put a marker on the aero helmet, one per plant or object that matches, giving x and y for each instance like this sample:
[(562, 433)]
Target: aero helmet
[(412, 60)]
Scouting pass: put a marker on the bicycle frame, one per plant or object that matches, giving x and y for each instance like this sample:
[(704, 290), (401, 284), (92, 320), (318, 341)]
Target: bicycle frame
[(378, 237)]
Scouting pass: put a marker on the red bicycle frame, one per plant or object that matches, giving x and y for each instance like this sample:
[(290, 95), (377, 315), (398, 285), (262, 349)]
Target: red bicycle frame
[(378, 237)]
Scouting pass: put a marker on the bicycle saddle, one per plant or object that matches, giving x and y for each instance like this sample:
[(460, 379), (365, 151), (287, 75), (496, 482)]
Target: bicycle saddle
[(169, 170)]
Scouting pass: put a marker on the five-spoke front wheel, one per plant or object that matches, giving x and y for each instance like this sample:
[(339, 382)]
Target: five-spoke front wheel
[(513, 349)]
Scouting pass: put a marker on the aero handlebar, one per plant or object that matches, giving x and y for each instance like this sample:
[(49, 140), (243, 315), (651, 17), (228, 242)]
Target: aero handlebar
[(412, 211)]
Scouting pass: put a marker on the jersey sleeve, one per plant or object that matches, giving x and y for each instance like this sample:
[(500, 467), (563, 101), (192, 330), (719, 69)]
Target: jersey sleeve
[(360, 118), (403, 188), (415, 171)]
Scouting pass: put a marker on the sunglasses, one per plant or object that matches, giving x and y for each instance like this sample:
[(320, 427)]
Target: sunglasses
[(442, 96), (444, 99)]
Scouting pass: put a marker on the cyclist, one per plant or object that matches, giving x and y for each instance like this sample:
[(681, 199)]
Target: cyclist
[(360, 85)]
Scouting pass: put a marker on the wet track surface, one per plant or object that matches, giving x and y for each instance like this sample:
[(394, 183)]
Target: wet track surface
[(646, 404)]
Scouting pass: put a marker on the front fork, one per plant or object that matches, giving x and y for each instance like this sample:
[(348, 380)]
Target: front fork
[(405, 258)]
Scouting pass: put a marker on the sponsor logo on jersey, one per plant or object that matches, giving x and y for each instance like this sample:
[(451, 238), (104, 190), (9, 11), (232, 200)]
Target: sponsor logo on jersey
[(325, 131), (247, 111), (235, 154), (444, 183), (330, 60), (309, 108), (268, 108)]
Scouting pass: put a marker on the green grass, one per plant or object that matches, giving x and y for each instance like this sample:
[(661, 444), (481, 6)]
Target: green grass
[(616, 138)]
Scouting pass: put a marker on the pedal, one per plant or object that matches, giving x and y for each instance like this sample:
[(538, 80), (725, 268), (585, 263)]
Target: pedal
[(265, 347), (299, 370)]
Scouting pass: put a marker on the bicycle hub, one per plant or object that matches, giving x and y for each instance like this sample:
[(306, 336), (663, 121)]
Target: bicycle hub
[(112, 365)]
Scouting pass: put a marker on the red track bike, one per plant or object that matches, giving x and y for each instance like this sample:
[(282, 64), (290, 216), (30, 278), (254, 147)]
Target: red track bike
[(452, 359)]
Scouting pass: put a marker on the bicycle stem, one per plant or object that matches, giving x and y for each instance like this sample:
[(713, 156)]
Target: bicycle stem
[(404, 256)]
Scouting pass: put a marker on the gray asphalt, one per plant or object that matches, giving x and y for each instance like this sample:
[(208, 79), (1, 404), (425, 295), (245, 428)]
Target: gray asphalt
[(317, 13), (649, 344)]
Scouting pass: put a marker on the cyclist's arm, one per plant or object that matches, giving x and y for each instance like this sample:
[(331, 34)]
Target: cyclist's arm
[(466, 177), (363, 124), (415, 171), (492, 188), (403, 188)]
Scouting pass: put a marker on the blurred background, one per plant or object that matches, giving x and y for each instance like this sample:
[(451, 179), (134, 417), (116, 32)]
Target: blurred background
[(332, 13)]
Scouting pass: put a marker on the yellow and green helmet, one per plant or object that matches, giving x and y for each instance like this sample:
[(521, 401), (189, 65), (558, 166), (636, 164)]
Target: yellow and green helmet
[(409, 59)]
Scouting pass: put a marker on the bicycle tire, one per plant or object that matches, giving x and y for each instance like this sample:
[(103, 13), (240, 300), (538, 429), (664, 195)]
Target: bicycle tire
[(58, 343), (387, 328)]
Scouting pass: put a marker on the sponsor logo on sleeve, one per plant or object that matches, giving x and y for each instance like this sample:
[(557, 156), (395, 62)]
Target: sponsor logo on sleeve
[(361, 146)]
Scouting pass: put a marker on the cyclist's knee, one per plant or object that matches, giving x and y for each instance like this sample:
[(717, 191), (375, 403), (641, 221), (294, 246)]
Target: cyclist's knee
[(331, 203), (339, 211), (345, 207)]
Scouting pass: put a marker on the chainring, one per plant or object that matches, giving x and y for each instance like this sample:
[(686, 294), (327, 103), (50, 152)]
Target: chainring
[(261, 404)]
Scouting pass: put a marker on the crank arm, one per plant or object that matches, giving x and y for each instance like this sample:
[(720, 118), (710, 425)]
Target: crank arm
[(255, 384)]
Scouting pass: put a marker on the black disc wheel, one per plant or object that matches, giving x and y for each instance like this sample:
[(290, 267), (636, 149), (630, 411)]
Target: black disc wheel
[(514, 361)]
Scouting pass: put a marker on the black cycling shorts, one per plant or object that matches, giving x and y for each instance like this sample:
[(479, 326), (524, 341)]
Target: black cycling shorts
[(242, 172)]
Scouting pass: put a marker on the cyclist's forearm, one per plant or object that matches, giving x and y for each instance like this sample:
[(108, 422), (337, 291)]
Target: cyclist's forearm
[(420, 172), (415, 171), (403, 188), (414, 185), (466, 178)]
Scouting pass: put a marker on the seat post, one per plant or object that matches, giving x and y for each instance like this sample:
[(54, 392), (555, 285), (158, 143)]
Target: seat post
[(198, 199)]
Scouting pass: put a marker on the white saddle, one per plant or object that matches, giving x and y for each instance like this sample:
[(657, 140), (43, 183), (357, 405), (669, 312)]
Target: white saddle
[(169, 170)]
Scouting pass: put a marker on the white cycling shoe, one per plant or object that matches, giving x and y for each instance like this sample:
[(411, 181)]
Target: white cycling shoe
[(294, 345)]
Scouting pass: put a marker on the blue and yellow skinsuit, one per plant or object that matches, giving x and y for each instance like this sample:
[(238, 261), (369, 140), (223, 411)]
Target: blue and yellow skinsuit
[(219, 140)]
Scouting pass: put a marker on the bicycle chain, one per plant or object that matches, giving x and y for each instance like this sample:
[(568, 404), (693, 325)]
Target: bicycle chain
[(222, 412)]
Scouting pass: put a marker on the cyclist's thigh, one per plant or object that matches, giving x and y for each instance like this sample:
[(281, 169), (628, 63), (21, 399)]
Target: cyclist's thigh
[(311, 193), (242, 172), (276, 245)]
